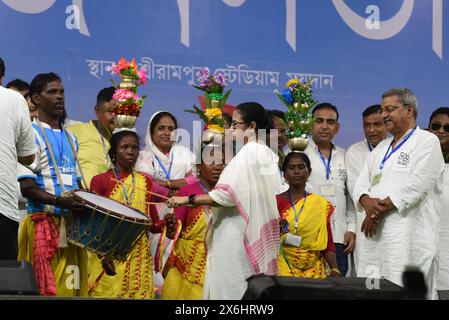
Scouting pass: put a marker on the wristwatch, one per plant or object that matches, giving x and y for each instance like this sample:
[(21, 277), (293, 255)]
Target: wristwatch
[(192, 199)]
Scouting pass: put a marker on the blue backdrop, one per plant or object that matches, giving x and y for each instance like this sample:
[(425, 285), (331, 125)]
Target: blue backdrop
[(355, 50)]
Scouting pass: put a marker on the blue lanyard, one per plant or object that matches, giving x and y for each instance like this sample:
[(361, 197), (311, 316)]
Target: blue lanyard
[(388, 154), (203, 185), (167, 174), (328, 165), (294, 208), (124, 188), (60, 147), (370, 148)]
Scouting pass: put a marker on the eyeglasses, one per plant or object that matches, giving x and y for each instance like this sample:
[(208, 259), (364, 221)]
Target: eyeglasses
[(236, 123), (388, 109), (437, 126)]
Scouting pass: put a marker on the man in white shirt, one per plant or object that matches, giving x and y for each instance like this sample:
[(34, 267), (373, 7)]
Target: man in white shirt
[(16, 145), (439, 125), (23, 88), (328, 179), (398, 190), (375, 131)]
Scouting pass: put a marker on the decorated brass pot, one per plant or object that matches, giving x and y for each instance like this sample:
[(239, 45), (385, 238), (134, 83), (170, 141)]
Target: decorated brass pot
[(127, 83), (124, 121), (298, 143)]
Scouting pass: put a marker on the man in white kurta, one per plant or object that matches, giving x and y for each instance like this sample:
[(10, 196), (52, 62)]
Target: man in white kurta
[(375, 131), (439, 125), (398, 190), (328, 179)]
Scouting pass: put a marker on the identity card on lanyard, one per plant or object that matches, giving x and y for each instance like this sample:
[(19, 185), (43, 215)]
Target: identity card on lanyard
[(376, 178), (294, 239), (167, 173), (327, 189)]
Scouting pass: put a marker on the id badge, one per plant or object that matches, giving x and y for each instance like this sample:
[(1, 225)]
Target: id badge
[(293, 240), (376, 179), (327, 190), (67, 179)]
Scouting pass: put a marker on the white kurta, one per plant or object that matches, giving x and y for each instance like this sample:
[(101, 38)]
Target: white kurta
[(342, 220), (443, 271), (227, 262), (243, 234), (356, 155), (408, 235)]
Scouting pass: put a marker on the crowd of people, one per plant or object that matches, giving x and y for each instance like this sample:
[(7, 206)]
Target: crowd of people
[(371, 210)]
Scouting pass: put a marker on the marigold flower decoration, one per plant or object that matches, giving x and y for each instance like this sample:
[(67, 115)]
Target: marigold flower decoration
[(213, 87), (127, 101), (298, 99)]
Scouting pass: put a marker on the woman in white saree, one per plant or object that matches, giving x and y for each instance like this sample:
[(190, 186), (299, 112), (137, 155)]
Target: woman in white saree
[(169, 164), (243, 232)]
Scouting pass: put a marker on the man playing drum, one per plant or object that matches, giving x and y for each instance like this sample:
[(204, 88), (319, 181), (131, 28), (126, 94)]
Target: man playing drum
[(60, 268)]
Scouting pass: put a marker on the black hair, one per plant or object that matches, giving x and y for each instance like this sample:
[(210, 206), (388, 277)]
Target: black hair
[(325, 105), (40, 81), (291, 155), (2, 68), (442, 110), (277, 113), (105, 95), (158, 117), (254, 112), (18, 84), (371, 110), (227, 118), (115, 140)]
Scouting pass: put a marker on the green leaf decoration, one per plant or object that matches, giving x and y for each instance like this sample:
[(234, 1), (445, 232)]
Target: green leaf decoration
[(224, 98)]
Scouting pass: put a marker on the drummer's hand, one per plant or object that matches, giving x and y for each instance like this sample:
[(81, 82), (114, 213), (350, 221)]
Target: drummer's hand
[(69, 203), (175, 202), (108, 266)]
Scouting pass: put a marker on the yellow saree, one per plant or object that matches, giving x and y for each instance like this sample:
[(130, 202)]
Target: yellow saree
[(306, 260), (134, 277), (185, 269)]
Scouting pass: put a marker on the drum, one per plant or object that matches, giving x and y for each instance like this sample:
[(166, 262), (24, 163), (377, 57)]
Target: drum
[(107, 227)]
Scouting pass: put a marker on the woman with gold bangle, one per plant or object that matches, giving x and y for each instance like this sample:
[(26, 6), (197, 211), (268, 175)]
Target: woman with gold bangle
[(307, 248)]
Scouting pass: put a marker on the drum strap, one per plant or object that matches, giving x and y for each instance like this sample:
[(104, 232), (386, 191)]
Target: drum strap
[(62, 230)]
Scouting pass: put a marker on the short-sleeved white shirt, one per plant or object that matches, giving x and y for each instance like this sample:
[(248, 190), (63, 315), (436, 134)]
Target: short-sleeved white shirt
[(16, 140)]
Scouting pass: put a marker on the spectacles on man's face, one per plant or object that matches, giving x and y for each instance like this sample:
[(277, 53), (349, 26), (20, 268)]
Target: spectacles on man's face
[(388, 109), (437, 126), (235, 124)]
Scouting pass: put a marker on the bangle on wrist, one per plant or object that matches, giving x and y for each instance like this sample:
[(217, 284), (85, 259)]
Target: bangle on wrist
[(191, 199), (336, 270)]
